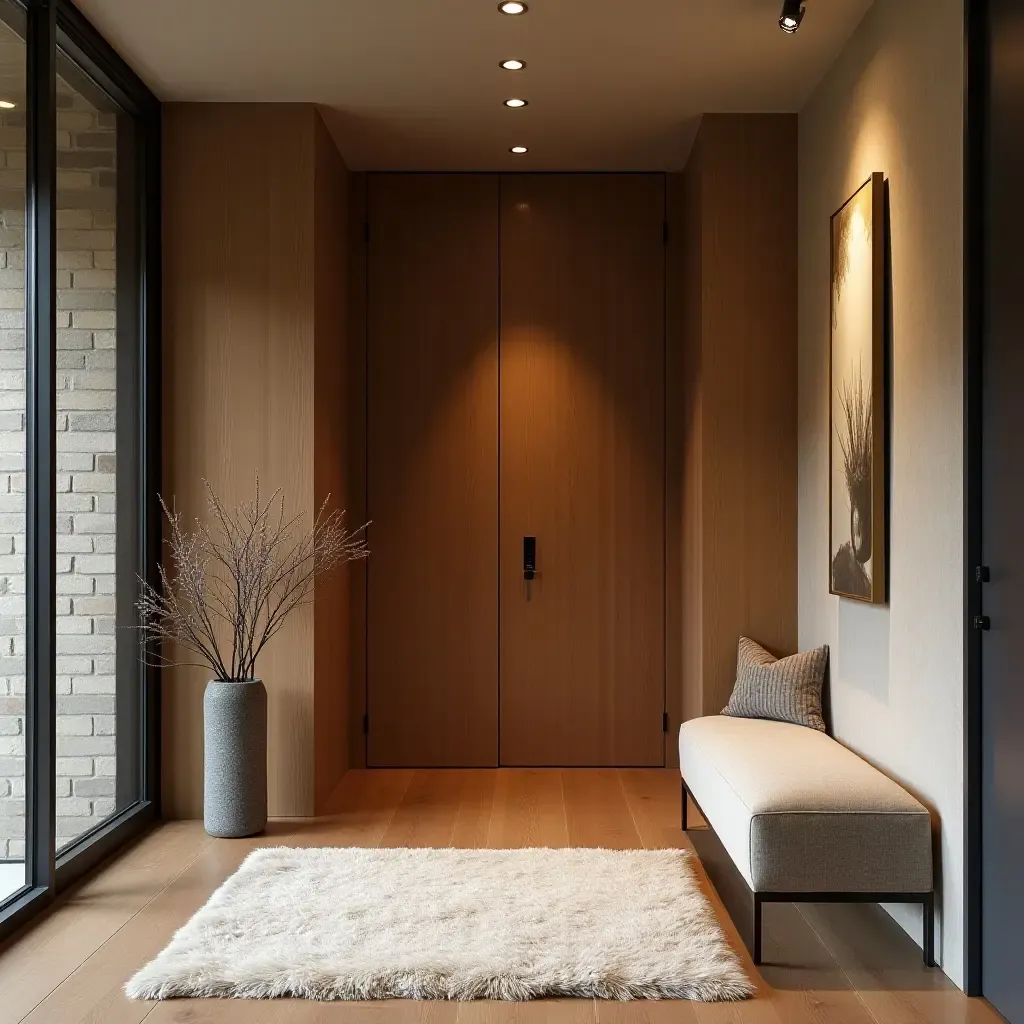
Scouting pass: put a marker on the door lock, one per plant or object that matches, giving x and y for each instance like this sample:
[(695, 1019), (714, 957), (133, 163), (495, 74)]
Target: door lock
[(529, 557)]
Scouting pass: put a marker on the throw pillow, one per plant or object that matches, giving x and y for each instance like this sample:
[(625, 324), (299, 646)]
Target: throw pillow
[(782, 689)]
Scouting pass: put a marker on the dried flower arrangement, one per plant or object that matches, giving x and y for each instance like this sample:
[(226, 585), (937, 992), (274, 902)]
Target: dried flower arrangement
[(230, 586)]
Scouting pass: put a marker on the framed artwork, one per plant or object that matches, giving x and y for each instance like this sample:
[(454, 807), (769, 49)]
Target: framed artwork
[(857, 471)]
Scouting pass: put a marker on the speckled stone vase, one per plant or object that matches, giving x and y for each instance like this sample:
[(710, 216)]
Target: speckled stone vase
[(235, 758)]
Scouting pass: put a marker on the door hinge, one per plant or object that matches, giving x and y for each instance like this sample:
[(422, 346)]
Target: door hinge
[(366, 725), (664, 722), (982, 622), (981, 574), (664, 232)]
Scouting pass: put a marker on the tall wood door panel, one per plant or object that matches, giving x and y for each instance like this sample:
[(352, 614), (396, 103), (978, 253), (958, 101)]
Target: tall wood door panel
[(582, 454), (432, 470)]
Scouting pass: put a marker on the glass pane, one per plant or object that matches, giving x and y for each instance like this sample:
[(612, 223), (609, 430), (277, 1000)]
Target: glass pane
[(87, 189), (13, 726)]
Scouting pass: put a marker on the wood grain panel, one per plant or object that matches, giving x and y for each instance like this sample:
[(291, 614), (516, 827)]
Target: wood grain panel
[(582, 469), (733, 378), (432, 470), (238, 395), (749, 384), (356, 432), (256, 268), (332, 610)]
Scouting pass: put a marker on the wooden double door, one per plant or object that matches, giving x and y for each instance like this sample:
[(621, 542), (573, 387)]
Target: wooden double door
[(516, 390)]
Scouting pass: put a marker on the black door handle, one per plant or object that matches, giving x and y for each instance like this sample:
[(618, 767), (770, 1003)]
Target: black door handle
[(529, 557)]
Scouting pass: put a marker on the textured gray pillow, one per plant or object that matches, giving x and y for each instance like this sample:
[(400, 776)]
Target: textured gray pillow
[(782, 689)]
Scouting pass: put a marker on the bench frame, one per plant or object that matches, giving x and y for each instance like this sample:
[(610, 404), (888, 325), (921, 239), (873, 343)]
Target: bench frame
[(744, 904)]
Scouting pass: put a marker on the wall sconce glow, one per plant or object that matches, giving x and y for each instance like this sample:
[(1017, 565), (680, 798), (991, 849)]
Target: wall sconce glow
[(7, 105), (515, 103), (518, 149), (791, 16), (512, 7), (513, 65)]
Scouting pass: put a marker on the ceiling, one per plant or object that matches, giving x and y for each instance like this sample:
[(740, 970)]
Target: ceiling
[(415, 84)]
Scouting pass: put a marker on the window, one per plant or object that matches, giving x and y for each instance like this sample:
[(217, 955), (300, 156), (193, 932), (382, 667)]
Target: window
[(86, 396), (79, 151), (13, 408)]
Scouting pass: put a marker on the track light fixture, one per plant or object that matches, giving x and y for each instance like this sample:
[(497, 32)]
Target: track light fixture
[(791, 16)]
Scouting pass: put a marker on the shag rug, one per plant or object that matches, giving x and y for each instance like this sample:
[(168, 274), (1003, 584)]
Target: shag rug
[(452, 924)]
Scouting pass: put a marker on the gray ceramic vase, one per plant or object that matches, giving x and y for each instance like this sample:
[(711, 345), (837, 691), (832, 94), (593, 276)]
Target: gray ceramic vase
[(235, 758)]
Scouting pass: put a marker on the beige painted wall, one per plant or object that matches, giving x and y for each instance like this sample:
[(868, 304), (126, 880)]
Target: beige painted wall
[(254, 336), (893, 103)]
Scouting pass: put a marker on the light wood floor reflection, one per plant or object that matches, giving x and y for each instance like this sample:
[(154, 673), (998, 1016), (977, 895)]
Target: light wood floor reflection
[(834, 964)]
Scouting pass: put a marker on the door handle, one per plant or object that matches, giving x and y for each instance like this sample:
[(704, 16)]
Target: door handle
[(529, 557)]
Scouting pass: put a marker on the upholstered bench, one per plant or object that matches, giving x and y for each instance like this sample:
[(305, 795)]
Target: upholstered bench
[(794, 816)]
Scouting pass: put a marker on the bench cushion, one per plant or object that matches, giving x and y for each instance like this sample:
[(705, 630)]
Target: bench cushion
[(799, 812)]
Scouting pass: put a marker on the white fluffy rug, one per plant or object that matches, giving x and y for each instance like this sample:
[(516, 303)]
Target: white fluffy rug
[(452, 924)]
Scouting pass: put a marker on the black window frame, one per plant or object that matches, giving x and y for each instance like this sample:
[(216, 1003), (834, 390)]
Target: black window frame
[(54, 25)]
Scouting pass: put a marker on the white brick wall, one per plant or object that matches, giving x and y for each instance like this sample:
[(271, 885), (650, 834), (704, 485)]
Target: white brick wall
[(86, 350)]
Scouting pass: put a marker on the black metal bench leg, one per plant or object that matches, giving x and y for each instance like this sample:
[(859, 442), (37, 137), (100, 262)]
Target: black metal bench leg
[(683, 808), (928, 945), (756, 951)]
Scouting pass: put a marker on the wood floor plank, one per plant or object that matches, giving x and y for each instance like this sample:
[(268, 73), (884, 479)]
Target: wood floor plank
[(652, 795), (224, 1011), (884, 964), (362, 808), (38, 961), (826, 964), (596, 810), (93, 993), (805, 982), (645, 1012), (299, 1011), (428, 811), (529, 809), (391, 1011), (475, 809), (538, 1011), (366, 790)]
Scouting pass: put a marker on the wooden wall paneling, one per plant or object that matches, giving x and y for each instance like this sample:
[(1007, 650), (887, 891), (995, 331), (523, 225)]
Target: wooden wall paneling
[(688, 231), (749, 310), (678, 561), (737, 281), (332, 653), (238, 393), (432, 470), (356, 426), (582, 469)]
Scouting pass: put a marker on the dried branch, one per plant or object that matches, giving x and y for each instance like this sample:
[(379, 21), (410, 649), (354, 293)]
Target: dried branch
[(233, 581)]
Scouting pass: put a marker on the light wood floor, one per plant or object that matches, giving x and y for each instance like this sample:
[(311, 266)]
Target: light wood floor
[(832, 965)]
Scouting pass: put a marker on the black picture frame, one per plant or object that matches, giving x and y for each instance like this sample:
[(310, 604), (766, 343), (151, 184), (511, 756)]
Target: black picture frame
[(847, 576)]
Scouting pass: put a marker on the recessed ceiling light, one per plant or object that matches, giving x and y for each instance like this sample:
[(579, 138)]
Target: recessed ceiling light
[(7, 105), (515, 103), (517, 149), (512, 7), (513, 65)]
